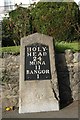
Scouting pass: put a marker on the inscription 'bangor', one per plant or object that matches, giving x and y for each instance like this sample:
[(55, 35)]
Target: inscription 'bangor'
[(37, 71), (37, 63)]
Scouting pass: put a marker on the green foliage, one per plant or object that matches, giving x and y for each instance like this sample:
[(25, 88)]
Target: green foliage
[(62, 46), (17, 25), (7, 30), (11, 49), (61, 20), (56, 19)]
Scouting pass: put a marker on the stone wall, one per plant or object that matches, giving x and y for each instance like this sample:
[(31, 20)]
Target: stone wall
[(68, 71), (10, 80), (67, 65)]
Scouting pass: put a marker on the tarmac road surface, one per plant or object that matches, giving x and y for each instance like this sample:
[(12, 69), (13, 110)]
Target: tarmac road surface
[(71, 111)]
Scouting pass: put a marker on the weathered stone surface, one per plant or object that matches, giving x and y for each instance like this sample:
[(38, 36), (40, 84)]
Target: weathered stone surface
[(10, 80), (76, 77), (75, 92), (68, 76), (37, 95), (76, 57), (66, 71), (0, 97), (69, 56)]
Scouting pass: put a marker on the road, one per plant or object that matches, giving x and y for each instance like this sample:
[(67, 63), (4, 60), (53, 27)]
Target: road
[(70, 111)]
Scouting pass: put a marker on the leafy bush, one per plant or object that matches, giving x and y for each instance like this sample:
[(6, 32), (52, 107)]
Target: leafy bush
[(16, 26), (60, 20), (56, 19)]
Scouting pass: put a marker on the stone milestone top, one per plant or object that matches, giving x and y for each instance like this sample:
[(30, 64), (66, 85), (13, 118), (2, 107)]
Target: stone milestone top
[(35, 38), (37, 74)]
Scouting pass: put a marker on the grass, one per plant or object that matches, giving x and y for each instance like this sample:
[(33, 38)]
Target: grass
[(62, 46), (11, 49), (59, 48)]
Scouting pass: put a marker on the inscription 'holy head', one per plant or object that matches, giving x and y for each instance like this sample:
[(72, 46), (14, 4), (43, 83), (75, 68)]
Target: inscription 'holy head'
[(37, 59)]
